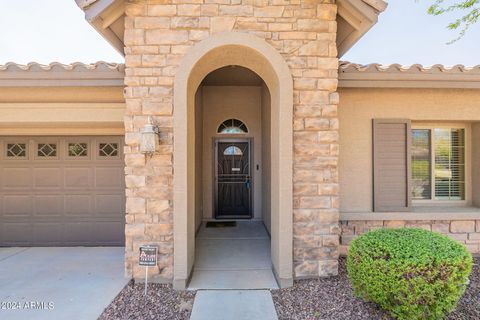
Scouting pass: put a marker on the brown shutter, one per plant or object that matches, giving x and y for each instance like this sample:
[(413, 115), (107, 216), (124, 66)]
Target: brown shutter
[(391, 165)]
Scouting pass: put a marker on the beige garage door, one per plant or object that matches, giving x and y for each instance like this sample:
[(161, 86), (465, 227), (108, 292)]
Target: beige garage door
[(61, 191)]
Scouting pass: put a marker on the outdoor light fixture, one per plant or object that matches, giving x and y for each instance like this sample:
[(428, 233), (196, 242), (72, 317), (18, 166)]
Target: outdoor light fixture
[(150, 141)]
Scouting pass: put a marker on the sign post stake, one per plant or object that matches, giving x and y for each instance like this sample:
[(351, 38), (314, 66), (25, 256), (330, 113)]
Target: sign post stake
[(146, 280)]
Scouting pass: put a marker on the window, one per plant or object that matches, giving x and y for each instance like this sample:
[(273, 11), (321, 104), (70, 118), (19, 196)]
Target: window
[(46, 150), (232, 151), (16, 150), (108, 149), (78, 149), (232, 126), (438, 164)]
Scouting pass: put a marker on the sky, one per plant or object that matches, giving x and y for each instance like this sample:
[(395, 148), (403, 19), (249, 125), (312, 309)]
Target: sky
[(55, 30)]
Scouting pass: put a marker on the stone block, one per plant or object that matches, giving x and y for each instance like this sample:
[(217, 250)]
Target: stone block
[(135, 205), (134, 181), (315, 202), (394, 224), (155, 231), (306, 269), (221, 24), (315, 48), (152, 22), (328, 268), (330, 241), (269, 11), (317, 124), (159, 10), (443, 228), (474, 236), (156, 206), (458, 236), (316, 25), (168, 37), (462, 226), (327, 12)]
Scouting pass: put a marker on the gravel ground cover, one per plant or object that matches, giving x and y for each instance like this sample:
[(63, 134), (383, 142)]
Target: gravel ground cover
[(162, 303), (332, 298), (327, 298)]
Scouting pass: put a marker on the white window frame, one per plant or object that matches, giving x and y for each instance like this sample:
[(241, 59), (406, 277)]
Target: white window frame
[(467, 166)]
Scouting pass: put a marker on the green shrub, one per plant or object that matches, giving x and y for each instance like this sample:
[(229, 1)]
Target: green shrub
[(411, 273)]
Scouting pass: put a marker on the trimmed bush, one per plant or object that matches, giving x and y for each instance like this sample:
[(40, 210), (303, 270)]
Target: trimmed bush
[(411, 273)]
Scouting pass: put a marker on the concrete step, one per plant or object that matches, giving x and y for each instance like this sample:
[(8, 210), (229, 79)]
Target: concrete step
[(233, 279), (233, 305)]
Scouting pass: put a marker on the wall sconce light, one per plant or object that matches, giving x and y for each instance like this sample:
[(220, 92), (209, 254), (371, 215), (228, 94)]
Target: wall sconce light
[(150, 140)]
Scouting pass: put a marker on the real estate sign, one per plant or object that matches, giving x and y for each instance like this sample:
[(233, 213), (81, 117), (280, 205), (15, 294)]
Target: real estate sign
[(148, 256)]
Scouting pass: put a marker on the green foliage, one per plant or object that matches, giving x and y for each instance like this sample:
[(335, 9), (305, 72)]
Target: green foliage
[(411, 273), (469, 11)]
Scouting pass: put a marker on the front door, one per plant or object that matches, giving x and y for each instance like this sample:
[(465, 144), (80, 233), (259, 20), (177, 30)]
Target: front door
[(233, 185)]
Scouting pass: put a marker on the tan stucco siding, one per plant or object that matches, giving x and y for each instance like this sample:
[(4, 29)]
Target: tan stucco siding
[(358, 107), (61, 111), (62, 94)]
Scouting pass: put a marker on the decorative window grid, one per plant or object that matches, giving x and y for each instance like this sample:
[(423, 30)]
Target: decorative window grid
[(78, 149), (46, 150), (108, 149), (232, 126), (16, 150)]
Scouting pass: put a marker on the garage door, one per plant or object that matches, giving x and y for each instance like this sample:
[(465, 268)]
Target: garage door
[(61, 191)]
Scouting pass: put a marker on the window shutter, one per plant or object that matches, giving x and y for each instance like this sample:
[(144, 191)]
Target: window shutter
[(391, 165)]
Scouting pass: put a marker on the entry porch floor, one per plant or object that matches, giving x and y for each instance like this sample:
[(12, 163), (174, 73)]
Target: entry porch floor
[(233, 258)]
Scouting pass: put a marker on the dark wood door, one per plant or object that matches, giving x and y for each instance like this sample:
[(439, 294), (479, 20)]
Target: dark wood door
[(233, 180)]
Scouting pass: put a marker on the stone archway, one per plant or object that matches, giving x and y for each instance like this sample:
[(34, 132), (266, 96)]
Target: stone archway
[(232, 48)]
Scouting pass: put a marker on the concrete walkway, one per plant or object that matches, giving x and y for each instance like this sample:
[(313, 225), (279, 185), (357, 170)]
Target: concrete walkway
[(233, 258), (59, 283), (233, 305)]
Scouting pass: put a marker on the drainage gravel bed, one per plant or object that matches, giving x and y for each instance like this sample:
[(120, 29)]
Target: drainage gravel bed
[(161, 303), (332, 298)]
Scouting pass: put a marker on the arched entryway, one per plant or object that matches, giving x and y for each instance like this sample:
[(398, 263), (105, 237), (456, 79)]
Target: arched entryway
[(216, 52)]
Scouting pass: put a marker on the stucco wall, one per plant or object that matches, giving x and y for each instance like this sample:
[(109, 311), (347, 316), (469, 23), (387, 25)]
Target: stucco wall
[(358, 107), (219, 104), (62, 111), (199, 174), (266, 168)]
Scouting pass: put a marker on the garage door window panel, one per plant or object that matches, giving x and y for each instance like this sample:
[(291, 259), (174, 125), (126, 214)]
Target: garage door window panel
[(16, 150), (77, 150), (108, 150)]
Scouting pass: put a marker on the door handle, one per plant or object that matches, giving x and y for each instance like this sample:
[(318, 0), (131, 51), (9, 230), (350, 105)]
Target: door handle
[(247, 182)]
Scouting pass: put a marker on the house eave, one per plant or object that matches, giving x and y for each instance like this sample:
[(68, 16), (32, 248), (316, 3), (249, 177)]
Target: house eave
[(102, 15), (356, 18)]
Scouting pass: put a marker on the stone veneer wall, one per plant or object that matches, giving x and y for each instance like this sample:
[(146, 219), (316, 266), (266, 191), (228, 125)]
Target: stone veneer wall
[(157, 36), (464, 231)]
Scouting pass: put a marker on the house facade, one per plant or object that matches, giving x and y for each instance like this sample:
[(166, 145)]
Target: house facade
[(256, 119)]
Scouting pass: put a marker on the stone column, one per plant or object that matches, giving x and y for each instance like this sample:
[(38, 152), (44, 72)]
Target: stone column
[(157, 36)]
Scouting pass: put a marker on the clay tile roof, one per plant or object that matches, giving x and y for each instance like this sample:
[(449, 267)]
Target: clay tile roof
[(57, 66), (348, 67), (353, 75), (58, 74)]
